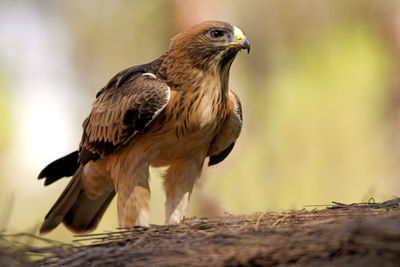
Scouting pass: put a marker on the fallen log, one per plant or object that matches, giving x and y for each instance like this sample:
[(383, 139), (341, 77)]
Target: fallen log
[(360, 234)]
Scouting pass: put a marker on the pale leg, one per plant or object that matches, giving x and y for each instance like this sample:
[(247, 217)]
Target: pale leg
[(133, 192), (178, 184)]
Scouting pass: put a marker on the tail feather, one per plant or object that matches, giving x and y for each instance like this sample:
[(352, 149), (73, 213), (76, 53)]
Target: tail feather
[(62, 167), (73, 208), (85, 214), (63, 204)]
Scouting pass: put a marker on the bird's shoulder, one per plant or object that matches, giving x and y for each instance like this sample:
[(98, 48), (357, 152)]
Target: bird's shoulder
[(125, 106), (225, 139), (236, 105), (129, 75)]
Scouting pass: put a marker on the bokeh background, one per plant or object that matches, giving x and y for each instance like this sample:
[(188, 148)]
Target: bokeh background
[(320, 92)]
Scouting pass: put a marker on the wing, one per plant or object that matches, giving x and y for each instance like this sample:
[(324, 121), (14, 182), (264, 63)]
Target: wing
[(224, 141), (121, 111)]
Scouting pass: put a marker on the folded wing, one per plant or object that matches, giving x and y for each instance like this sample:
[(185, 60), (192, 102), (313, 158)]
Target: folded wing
[(120, 112), (224, 141)]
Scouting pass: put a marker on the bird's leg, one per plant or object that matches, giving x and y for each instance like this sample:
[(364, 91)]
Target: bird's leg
[(133, 192), (136, 209), (178, 184)]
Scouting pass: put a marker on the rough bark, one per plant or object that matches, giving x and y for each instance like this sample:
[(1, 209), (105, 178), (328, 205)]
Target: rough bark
[(363, 234)]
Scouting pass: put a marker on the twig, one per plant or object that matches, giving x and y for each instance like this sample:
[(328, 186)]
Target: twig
[(280, 220), (258, 220)]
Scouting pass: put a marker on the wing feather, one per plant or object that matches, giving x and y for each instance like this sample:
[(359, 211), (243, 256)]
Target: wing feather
[(120, 112), (224, 141)]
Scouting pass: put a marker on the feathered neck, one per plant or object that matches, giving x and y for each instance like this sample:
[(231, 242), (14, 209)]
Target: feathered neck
[(180, 69)]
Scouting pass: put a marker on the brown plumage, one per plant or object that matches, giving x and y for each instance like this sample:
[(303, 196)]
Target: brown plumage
[(174, 111)]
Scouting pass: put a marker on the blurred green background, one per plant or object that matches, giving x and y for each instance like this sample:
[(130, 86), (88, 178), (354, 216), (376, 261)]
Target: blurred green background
[(320, 92)]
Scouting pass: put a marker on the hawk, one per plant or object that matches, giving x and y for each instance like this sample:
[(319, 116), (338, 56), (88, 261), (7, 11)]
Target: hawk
[(174, 111)]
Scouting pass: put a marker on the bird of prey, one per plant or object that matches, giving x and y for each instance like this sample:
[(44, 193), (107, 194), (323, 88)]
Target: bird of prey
[(174, 111)]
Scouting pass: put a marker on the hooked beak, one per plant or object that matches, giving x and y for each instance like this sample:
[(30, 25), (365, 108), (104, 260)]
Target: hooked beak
[(245, 44), (241, 40)]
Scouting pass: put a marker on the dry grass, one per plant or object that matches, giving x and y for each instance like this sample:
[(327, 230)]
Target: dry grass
[(361, 234)]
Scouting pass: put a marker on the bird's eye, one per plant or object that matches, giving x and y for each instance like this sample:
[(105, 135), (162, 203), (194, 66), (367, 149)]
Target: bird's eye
[(216, 34)]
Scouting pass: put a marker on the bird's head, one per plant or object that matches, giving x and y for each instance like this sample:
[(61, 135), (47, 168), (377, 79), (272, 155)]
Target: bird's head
[(210, 43)]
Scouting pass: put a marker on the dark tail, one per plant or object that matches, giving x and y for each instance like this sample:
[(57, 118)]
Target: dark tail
[(63, 167), (78, 212)]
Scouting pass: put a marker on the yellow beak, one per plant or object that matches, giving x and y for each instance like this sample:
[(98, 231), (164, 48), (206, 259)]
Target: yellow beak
[(241, 40)]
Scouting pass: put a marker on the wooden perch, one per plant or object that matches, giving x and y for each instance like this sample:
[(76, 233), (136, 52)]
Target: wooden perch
[(362, 234)]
